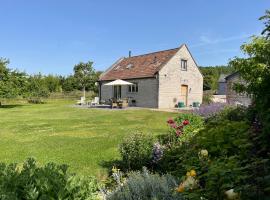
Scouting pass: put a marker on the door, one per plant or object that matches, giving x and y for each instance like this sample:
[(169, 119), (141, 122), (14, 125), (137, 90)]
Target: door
[(184, 94), (117, 91)]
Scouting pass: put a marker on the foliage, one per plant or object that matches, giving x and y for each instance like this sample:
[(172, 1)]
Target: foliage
[(36, 87), (210, 110), (254, 69), (222, 170), (48, 182), (144, 185), (211, 75), (136, 151), (11, 82), (184, 127), (207, 97), (266, 17), (84, 75), (15, 84)]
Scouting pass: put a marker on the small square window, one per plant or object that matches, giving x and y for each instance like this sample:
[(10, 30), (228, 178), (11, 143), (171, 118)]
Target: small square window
[(183, 65)]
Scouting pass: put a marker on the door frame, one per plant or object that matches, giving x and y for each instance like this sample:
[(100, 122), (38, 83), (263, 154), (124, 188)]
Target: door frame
[(186, 95)]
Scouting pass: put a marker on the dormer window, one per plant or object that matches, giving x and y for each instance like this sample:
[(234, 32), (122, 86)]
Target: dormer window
[(129, 66), (183, 65)]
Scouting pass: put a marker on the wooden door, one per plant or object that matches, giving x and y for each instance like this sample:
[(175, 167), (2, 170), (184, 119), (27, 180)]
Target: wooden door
[(184, 94)]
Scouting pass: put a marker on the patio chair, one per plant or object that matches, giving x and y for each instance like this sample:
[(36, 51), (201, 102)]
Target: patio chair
[(95, 101), (81, 101), (125, 103), (114, 103)]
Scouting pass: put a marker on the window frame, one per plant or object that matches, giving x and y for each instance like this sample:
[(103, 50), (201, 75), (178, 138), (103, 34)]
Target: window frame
[(184, 64), (133, 88)]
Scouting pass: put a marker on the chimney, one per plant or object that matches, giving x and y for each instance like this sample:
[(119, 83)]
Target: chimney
[(129, 54)]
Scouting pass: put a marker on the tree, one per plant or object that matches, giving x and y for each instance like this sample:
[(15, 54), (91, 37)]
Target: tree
[(12, 83), (266, 17), (211, 75), (84, 75), (255, 70)]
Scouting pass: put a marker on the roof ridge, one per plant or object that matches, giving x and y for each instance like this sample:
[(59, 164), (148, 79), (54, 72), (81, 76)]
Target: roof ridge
[(153, 52)]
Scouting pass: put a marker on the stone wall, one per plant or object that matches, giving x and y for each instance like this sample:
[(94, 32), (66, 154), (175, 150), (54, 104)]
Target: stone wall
[(147, 95), (171, 77)]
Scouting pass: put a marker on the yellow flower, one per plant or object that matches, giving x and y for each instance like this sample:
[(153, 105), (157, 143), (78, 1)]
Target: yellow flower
[(188, 173), (180, 188), (192, 173)]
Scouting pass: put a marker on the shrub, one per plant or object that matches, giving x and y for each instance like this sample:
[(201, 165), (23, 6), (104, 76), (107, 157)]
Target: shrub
[(230, 113), (35, 101), (136, 151), (210, 110), (208, 97), (48, 182), (144, 186), (184, 127), (219, 154)]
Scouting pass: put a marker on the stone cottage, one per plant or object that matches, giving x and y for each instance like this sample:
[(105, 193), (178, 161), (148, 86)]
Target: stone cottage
[(160, 79)]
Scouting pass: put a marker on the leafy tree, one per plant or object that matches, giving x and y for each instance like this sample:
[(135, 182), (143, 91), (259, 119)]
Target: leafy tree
[(266, 17), (12, 83), (53, 83), (36, 87), (211, 75), (255, 70), (84, 75)]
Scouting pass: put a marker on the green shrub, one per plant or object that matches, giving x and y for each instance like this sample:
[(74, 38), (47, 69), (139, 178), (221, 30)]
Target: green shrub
[(228, 149), (184, 127), (230, 113), (35, 101), (208, 97), (145, 186), (136, 151), (48, 182)]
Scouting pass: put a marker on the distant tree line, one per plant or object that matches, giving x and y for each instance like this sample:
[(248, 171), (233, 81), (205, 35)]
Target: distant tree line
[(14, 83), (211, 75)]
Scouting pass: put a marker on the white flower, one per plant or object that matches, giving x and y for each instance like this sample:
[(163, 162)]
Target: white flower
[(231, 194), (203, 153)]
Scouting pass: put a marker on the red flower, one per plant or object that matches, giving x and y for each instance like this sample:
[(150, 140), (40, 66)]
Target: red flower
[(185, 122), (170, 121)]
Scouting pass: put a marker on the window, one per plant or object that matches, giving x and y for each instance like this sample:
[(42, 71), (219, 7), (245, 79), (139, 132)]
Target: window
[(133, 88), (183, 65)]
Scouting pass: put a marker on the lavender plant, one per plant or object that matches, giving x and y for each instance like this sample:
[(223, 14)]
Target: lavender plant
[(157, 153), (210, 110)]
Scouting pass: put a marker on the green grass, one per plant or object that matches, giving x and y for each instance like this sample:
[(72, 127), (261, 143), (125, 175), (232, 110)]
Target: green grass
[(81, 138)]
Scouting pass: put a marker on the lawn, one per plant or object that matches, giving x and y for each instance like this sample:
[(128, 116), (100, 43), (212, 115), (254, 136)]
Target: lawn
[(81, 138)]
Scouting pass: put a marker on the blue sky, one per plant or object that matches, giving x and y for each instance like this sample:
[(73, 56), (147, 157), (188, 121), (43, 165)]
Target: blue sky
[(51, 36)]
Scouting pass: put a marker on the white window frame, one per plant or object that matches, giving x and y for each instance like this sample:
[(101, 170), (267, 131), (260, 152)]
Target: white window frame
[(133, 88), (184, 64)]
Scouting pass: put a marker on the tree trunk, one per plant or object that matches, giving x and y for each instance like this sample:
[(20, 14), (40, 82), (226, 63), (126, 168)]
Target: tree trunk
[(84, 92)]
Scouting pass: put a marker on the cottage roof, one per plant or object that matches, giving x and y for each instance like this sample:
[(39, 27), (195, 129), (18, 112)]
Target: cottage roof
[(141, 66)]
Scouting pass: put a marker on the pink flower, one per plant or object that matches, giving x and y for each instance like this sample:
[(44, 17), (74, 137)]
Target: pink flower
[(178, 133), (173, 125)]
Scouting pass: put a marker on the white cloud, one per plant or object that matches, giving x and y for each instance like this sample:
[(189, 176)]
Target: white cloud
[(209, 40)]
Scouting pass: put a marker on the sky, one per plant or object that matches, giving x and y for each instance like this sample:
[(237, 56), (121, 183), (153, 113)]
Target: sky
[(51, 36)]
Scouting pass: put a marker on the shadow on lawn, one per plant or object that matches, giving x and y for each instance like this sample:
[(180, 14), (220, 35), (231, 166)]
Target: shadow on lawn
[(109, 164), (10, 106)]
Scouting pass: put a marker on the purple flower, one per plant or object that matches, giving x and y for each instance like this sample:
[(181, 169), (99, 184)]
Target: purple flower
[(210, 110), (157, 152)]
